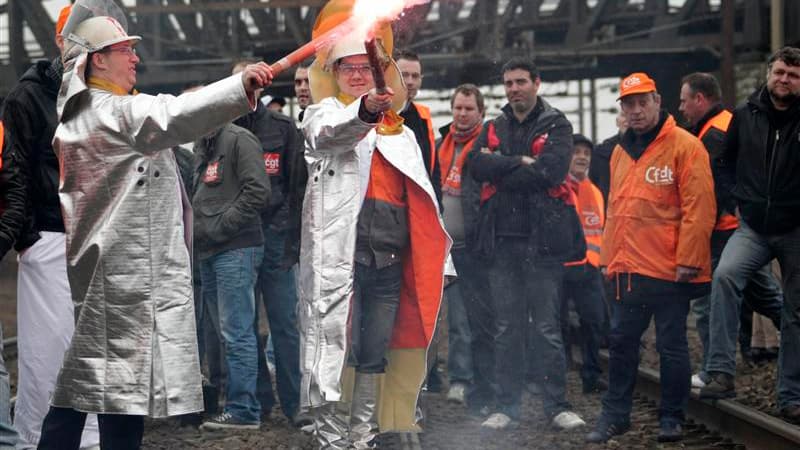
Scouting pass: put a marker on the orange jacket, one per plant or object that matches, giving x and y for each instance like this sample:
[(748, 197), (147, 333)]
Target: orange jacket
[(425, 114), (661, 208), (721, 122), (590, 208)]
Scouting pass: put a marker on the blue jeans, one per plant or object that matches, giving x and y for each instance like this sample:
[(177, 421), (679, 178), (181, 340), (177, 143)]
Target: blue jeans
[(279, 294), (584, 285), (521, 290), (8, 436), (228, 279), (747, 252), (630, 317), (459, 356), (762, 294)]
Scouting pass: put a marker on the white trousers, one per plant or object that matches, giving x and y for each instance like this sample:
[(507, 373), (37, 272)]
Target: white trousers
[(45, 324)]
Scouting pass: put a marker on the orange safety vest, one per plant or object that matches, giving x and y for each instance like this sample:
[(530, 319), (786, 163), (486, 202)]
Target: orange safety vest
[(661, 208), (721, 122), (425, 114), (590, 208)]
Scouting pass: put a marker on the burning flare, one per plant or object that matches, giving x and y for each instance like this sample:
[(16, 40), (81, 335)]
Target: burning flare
[(366, 15)]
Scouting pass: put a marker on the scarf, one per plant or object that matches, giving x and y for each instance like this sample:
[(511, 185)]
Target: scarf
[(105, 85), (451, 178)]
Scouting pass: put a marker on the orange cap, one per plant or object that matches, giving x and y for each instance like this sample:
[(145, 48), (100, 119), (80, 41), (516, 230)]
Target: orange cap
[(636, 83), (62, 19)]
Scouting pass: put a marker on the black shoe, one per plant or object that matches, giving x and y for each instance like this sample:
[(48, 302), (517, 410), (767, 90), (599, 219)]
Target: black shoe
[(791, 414), (594, 387), (720, 386), (670, 432), (605, 431)]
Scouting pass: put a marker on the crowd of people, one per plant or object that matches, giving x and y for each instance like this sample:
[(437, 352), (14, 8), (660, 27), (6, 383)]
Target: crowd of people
[(142, 258)]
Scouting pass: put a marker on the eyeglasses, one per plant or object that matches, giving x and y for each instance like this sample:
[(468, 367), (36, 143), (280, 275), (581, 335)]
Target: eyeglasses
[(126, 50), (349, 70)]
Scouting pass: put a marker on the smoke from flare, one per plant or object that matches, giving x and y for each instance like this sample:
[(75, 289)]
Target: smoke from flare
[(368, 13)]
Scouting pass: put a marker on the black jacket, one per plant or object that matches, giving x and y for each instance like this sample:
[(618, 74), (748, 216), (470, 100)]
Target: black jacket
[(12, 198), (714, 142), (413, 120), (761, 162), (231, 189), (600, 167), (282, 149), (555, 234), (30, 117)]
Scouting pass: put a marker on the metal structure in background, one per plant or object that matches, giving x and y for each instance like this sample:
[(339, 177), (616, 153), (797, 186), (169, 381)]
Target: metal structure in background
[(459, 40)]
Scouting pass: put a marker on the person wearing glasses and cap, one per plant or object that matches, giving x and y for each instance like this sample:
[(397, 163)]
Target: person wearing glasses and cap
[(128, 236), (45, 313), (373, 248), (657, 250)]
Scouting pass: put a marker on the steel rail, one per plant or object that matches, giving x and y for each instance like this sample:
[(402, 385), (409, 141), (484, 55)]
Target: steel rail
[(745, 425)]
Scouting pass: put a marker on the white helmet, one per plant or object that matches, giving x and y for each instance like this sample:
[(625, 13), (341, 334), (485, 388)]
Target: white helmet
[(96, 34), (348, 45)]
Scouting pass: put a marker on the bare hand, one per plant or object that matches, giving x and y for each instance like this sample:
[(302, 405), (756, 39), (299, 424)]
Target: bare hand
[(256, 76), (604, 272), (685, 274), (379, 103), (486, 150), (527, 160)]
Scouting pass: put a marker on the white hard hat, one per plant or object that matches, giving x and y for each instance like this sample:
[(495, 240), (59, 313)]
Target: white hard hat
[(350, 45), (98, 33)]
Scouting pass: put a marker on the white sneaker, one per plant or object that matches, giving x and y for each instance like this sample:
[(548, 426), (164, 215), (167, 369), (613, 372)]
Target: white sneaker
[(457, 393), (697, 381), (568, 420), (497, 421)]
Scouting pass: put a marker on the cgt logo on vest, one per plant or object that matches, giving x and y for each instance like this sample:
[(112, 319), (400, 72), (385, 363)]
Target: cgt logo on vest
[(659, 175)]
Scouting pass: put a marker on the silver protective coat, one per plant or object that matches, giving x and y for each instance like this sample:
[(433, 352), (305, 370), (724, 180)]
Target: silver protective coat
[(128, 226), (339, 148)]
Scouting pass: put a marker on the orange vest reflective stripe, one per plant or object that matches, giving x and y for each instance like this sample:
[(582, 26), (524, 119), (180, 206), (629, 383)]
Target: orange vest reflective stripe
[(590, 208), (721, 122), (425, 114), (2, 143)]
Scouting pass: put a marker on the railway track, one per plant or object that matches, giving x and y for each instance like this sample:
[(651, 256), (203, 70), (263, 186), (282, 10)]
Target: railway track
[(731, 424)]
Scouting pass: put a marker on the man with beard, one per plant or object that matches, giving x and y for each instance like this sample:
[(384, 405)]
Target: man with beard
[(760, 165), (701, 105), (528, 229)]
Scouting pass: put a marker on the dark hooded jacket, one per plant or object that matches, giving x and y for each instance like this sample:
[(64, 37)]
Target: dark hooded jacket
[(230, 192), (30, 118), (282, 150), (12, 196), (760, 164)]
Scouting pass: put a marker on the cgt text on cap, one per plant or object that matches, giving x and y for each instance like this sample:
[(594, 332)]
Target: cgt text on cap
[(636, 83)]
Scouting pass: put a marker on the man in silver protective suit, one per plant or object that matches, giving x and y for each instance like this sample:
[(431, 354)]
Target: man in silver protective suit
[(373, 248), (128, 229)]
